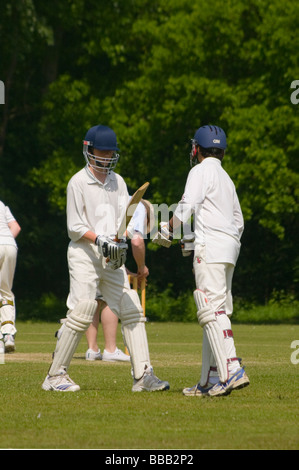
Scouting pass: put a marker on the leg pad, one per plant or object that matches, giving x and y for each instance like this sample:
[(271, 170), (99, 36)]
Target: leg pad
[(76, 324)]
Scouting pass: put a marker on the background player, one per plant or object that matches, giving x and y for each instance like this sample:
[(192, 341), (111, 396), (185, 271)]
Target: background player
[(9, 230)]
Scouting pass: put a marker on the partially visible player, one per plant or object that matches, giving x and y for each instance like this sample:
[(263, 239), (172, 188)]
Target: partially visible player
[(97, 199), (210, 196), (9, 230)]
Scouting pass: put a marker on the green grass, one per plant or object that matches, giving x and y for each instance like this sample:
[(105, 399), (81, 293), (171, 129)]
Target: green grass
[(105, 414)]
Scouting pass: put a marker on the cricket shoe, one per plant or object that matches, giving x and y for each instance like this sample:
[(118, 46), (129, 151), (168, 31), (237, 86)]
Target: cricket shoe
[(9, 343), (149, 382), (92, 355), (60, 383), (196, 391), (117, 355), (215, 390), (238, 380)]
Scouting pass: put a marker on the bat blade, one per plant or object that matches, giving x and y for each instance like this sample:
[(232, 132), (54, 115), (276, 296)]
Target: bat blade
[(134, 201)]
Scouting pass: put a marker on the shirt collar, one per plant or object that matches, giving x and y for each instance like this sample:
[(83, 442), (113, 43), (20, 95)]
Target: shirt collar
[(93, 180), (211, 159)]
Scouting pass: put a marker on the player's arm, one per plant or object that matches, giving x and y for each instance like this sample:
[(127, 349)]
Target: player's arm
[(174, 223), (138, 251), (14, 228), (90, 236)]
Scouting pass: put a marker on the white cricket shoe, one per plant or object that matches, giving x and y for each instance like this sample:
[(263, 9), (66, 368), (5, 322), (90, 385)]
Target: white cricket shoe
[(237, 380), (92, 355), (215, 390), (197, 390), (117, 355), (149, 382), (9, 343), (60, 383)]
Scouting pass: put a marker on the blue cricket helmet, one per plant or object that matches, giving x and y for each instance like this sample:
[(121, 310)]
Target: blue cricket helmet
[(101, 138), (210, 137)]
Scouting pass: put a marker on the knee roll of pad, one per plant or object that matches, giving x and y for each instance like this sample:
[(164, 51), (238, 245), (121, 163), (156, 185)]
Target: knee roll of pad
[(80, 318), (130, 308), (205, 312)]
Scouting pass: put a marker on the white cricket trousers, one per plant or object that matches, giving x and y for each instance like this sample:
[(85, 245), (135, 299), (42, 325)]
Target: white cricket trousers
[(215, 279), (8, 260), (89, 273)]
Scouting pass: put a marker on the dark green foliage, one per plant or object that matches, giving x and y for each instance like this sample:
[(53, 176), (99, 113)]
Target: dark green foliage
[(154, 71)]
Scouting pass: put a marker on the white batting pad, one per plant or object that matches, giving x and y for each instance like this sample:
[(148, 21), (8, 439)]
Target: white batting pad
[(205, 312), (134, 333), (80, 318), (130, 308), (224, 324), (207, 320), (207, 360), (77, 322), (216, 340), (7, 316)]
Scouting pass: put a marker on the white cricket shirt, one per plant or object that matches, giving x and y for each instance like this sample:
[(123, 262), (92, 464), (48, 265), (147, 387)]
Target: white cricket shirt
[(6, 237), (138, 222), (92, 205), (211, 197)]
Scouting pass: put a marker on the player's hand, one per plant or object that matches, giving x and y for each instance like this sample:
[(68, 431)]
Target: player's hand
[(187, 244), (163, 237)]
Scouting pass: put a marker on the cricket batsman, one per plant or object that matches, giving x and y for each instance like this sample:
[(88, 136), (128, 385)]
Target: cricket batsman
[(210, 198), (97, 200)]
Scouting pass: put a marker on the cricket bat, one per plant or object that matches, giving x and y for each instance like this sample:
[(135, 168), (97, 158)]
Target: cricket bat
[(135, 199)]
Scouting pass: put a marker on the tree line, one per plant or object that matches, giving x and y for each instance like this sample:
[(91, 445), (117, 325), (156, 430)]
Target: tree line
[(154, 71)]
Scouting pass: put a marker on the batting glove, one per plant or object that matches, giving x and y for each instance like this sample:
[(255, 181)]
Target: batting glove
[(163, 237), (114, 251), (187, 244), (117, 263)]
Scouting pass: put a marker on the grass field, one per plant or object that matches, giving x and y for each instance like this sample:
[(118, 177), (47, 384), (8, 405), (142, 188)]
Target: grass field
[(105, 414)]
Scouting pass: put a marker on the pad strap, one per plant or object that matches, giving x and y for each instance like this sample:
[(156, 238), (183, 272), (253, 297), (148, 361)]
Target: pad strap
[(4, 302)]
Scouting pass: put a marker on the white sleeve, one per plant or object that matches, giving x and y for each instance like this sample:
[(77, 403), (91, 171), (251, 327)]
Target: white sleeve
[(194, 194), (139, 218), (8, 215), (138, 221), (238, 215), (123, 201), (76, 224)]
